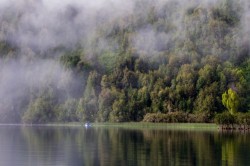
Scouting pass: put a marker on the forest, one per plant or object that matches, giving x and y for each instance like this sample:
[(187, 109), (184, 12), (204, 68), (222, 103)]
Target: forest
[(122, 61)]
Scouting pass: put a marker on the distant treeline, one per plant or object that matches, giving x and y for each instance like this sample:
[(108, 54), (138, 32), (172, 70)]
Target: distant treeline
[(148, 64)]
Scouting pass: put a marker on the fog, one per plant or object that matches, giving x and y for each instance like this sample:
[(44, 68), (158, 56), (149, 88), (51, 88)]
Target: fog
[(46, 24), (35, 26), (41, 25)]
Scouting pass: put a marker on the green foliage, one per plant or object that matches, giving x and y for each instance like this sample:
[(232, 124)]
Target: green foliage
[(119, 110), (201, 117), (106, 100), (80, 110), (185, 80), (71, 59), (74, 60), (246, 97), (243, 118), (224, 118), (67, 112), (207, 100), (41, 110), (6, 49), (227, 12), (108, 61), (175, 117), (231, 101)]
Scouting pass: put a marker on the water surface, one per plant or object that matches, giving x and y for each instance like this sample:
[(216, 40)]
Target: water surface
[(113, 146)]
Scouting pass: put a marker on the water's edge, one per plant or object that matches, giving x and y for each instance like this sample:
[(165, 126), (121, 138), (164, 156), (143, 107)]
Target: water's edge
[(133, 125)]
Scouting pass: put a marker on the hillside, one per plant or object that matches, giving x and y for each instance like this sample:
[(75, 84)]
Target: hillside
[(119, 60)]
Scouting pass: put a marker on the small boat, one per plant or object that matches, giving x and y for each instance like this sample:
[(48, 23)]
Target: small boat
[(87, 124)]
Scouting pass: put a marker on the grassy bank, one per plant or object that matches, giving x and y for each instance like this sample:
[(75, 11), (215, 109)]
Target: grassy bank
[(144, 125), (131, 125)]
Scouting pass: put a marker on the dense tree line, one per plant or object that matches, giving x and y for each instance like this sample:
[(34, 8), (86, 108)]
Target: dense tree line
[(198, 67)]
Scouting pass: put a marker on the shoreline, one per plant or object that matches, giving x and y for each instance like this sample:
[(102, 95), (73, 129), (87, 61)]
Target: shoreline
[(130, 125)]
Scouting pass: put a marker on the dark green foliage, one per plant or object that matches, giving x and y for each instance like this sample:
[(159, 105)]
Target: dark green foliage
[(74, 60), (106, 100), (245, 100), (207, 99), (70, 60), (243, 118), (227, 12), (108, 61), (90, 97), (201, 117), (41, 110), (6, 49), (225, 118), (175, 117), (67, 112)]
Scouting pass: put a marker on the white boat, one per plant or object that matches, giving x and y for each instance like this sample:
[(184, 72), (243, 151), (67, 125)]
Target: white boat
[(87, 124)]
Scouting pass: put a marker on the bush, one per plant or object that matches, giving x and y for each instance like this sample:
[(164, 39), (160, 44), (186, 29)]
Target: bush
[(200, 117), (243, 118), (173, 117), (224, 118)]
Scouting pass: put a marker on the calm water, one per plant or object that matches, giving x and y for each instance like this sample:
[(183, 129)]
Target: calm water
[(73, 146)]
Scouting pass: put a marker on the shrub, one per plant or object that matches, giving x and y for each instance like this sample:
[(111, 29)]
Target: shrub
[(243, 118), (173, 117), (224, 118), (201, 117)]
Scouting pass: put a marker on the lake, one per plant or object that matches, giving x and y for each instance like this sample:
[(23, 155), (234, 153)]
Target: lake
[(120, 146)]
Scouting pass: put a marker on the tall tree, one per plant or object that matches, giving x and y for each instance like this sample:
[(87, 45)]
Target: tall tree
[(230, 100)]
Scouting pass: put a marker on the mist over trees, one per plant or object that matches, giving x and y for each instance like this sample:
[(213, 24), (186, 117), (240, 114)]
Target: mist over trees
[(113, 60)]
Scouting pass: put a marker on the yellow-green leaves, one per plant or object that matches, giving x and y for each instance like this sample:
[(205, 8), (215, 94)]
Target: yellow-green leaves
[(231, 101)]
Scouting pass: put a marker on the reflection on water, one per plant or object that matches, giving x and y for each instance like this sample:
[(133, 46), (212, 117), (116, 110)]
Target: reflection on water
[(59, 146)]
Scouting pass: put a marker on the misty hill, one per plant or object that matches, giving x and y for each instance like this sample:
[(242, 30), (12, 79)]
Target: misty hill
[(114, 60)]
